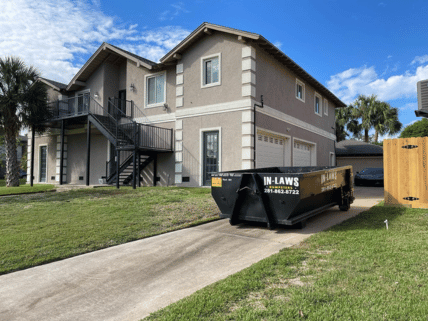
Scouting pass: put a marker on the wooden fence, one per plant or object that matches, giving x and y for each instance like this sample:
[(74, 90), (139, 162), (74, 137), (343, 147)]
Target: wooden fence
[(406, 172)]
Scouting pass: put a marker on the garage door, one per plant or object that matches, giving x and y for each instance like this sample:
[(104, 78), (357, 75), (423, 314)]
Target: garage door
[(270, 150), (301, 154)]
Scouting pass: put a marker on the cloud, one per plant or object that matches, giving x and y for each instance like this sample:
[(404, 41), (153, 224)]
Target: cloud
[(278, 44), (350, 83), (177, 9), (381, 4), (58, 36), (420, 60)]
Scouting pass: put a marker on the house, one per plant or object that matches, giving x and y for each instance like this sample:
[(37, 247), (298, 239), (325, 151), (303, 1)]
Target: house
[(198, 111), (358, 154)]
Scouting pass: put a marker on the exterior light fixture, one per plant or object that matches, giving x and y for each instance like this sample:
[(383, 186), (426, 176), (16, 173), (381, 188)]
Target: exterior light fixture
[(132, 87)]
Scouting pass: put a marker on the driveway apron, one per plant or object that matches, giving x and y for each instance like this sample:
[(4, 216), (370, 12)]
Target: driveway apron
[(129, 281)]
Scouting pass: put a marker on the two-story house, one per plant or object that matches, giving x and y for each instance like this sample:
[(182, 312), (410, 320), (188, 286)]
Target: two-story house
[(192, 114)]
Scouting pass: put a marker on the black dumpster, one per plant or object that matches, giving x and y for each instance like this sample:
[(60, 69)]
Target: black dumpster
[(281, 195)]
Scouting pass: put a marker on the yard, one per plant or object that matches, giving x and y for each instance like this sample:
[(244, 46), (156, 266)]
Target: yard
[(23, 188), (41, 228), (357, 270)]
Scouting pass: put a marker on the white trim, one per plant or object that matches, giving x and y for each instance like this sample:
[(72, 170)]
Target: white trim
[(317, 95), (201, 148), (39, 167), (301, 83), (218, 83), (146, 105), (179, 68), (248, 51), (325, 107), (313, 150)]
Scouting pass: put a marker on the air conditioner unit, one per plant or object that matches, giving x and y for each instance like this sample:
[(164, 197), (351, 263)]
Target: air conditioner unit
[(422, 99)]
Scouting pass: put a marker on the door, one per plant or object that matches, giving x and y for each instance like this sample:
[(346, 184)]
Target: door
[(43, 163), (82, 103), (210, 155), (301, 154)]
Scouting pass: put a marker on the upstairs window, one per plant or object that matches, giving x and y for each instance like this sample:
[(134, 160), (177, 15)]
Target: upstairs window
[(300, 90), (211, 70), (318, 104), (155, 89), (326, 107)]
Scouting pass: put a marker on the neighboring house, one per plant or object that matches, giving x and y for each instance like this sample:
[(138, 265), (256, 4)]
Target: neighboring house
[(20, 148), (358, 154), (186, 117)]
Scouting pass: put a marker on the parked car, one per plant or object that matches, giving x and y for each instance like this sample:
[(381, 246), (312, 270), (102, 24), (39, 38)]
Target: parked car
[(369, 176), (22, 174)]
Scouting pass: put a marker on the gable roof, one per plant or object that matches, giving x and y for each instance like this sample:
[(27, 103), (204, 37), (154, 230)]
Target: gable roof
[(206, 28), (357, 148), (59, 86), (103, 53)]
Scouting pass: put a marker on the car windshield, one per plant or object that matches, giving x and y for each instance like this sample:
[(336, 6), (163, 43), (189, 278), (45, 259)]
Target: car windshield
[(372, 171)]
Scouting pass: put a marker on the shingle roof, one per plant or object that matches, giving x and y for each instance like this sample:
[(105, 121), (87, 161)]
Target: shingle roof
[(55, 83), (357, 148)]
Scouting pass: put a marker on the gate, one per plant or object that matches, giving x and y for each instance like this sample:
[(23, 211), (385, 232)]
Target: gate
[(406, 172)]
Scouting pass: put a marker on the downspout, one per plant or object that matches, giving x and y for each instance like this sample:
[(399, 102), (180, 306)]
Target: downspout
[(254, 140)]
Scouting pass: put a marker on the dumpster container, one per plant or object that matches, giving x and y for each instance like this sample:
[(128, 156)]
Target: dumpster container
[(281, 195)]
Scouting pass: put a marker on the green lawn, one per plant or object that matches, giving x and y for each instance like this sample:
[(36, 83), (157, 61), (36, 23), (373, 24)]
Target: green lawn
[(22, 181), (357, 270), (40, 228), (24, 188)]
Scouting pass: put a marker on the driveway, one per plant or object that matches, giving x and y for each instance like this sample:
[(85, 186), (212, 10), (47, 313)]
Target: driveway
[(129, 281)]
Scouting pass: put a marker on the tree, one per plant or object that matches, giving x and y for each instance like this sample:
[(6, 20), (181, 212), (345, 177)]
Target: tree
[(373, 114), (23, 103), (343, 116), (417, 129)]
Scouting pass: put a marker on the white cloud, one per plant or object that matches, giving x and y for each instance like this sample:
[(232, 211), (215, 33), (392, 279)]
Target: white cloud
[(58, 36), (278, 44), (177, 9), (420, 60), (350, 83)]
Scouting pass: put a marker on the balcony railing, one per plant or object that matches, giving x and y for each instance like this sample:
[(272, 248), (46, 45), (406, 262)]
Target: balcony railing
[(74, 106)]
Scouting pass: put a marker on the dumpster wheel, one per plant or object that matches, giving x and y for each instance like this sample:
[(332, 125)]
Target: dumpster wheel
[(346, 204)]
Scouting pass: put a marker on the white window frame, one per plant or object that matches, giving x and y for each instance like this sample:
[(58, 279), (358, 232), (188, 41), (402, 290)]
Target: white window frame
[(146, 96), (203, 59), (325, 107), (40, 162), (201, 151), (300, 83), (319, 113)]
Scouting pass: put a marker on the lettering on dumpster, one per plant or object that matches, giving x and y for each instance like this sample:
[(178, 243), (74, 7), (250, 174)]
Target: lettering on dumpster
[(281, 185)]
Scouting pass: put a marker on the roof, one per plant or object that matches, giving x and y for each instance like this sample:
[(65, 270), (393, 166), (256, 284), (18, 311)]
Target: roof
[(347, 148), (207, 28), (106, 52), (55, 84)]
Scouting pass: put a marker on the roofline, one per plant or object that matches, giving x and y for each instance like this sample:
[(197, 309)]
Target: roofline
[(105, 46), (259, 40), (48, 83)]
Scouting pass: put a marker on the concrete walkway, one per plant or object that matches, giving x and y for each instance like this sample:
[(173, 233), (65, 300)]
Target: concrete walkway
[(129, 281)]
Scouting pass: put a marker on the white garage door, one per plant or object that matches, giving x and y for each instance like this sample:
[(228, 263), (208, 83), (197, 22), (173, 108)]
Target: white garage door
[(270, 150), (301, 154)]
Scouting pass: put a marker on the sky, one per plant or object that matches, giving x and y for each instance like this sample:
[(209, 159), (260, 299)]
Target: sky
[(351, 47)]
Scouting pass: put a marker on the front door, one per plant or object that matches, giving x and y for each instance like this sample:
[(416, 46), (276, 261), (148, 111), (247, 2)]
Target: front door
[(210, 155), (43, 163), (122, 101)]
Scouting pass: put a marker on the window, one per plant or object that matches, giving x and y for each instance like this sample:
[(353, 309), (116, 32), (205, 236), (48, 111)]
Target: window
[(300, 90), (43, 164), (325, 107), (318, 104), (211, 70), (155, 89)]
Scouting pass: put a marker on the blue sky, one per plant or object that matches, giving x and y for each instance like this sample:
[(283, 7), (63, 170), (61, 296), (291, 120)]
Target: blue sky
[(352, 47)]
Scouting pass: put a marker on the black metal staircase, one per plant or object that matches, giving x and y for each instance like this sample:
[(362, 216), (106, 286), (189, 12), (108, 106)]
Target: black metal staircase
[(131, 140)]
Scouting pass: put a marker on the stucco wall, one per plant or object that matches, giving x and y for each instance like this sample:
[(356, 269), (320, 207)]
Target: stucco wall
[(277, 84), (323, 145)]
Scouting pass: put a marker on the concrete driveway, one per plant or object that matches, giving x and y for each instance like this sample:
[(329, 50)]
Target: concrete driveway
[(129, 281)]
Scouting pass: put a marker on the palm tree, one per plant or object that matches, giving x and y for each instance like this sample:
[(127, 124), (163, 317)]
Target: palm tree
[(385, 120), (343, 116), (23, 103), (363, 108)]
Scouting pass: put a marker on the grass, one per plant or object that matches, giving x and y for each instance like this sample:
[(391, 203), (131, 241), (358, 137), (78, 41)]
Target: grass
[(41, 228), (357, 270), (23, 188)]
